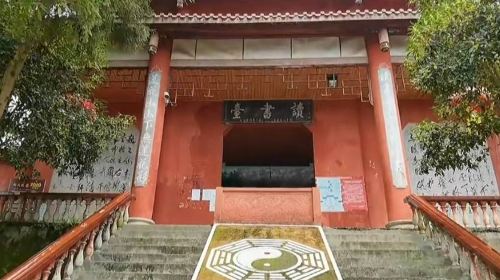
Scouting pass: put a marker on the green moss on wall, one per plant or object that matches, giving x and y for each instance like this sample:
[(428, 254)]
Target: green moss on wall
[(18, 242)]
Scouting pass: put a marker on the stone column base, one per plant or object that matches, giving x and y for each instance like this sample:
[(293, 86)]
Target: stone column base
[(400, 224), (140, 221)]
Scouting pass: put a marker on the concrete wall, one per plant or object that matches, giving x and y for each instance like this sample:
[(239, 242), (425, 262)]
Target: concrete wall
[(191, 158), (345, 145), (268, 205)]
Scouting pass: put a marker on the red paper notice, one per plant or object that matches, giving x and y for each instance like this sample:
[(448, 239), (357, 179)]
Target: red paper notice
[(354, 195)]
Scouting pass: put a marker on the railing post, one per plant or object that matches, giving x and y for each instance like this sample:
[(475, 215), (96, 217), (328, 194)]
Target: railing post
[(474, 271), (126, 216), (68, 270), (86, 213), (454, 206), (486, 217), (477, 220), (463, 206), (115, 219), (37, 210), (107, 230), (28, 214), (20, 209), (496, 217), (98, 239), (46, 272), (23, 204), (80, 256), (421, 222), (89, 250), (58, 269), (46, 215)]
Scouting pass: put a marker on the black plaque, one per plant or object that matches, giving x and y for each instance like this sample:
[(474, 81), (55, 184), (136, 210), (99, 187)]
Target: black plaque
[(276, 111)]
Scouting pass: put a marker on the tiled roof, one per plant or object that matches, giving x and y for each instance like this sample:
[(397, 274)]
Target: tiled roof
[(323, 16)]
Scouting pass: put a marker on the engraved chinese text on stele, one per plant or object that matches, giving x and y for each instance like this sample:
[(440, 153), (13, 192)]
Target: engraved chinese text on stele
[(112, 173), (392, 128), (459, 182), (148, 129)]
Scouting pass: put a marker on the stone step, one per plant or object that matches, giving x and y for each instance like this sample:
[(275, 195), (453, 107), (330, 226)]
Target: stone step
[(148, 252), (147, 258), (162, 241), (163, 234), (166, 228), (490, 237), (371, 232), (376, 237), (400, 273), (394, 254), (382, 261), (488, 233), (375, 245), (373, 235), (91, 275), (159, 249), (179, 269), (406, 278)]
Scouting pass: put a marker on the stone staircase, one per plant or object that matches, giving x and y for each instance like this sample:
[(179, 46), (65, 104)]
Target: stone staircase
[(490, 237), (148, 252), (389, 254)]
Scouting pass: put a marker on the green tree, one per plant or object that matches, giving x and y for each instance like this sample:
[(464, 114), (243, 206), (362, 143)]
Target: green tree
[(454, 56), (52, 54)]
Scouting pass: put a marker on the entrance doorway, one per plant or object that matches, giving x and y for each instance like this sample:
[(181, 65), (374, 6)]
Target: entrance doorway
[(268, 156)]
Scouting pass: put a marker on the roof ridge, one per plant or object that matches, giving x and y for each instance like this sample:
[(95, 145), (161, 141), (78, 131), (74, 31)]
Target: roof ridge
[(315, 16)]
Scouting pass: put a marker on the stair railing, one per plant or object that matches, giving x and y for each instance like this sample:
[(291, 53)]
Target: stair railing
[(460, 245), (50, 207), (473, 212), (58, 260)]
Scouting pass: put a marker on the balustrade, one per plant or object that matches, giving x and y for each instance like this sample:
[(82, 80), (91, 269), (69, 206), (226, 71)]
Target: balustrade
[(470, 212), (50, 207), (460, 245), (58, 260)]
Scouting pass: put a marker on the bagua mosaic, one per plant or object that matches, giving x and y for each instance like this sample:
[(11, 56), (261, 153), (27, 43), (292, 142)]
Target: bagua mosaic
[(267, 259)]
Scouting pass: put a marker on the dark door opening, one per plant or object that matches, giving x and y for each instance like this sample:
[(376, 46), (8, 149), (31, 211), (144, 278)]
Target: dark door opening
[(268, 156)]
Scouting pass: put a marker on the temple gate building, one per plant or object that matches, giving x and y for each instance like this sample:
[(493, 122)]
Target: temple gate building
[(269, 112)]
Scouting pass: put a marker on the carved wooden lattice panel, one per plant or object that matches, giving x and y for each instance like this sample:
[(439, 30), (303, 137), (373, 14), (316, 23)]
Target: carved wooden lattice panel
[(269, 83)]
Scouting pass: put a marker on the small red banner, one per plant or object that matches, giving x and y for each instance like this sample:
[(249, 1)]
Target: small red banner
[(17, 185), (354, 194)]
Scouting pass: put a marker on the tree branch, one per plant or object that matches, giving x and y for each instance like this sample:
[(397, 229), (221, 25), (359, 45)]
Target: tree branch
[(11, 74)]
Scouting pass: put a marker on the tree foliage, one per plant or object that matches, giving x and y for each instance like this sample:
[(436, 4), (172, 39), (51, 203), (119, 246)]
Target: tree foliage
[(454, 55), (51, 58)]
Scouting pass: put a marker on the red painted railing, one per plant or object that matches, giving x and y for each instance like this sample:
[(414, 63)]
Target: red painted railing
[(475, 212), (58, 260), (463, 247)]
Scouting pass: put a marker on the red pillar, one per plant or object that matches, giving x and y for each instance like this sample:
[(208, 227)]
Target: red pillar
[(388, 126), (148, 158), (494, 145)]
